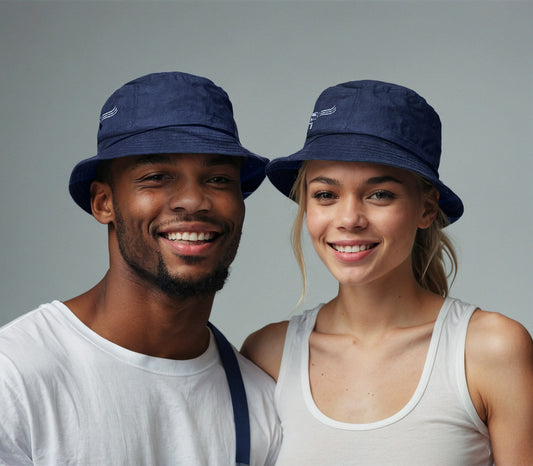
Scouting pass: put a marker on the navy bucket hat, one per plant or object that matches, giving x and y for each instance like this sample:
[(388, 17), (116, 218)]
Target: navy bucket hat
[(166, 113), (376, 122)]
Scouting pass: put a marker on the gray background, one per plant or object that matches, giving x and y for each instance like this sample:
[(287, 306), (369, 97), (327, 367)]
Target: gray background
[(59, 61)]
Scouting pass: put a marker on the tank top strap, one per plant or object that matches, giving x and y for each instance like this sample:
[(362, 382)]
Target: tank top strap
[(455, 346), (297, 337)]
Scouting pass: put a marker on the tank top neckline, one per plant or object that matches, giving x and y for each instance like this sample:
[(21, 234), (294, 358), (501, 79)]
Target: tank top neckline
[(407, 408)]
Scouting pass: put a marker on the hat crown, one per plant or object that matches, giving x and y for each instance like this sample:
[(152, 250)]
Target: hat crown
[(372, 122), (161, 100), (387, 111), (166, 113)]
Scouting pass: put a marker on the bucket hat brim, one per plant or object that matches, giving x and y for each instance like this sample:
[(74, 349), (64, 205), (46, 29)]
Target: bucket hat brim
[(169, 140), (282, 172)]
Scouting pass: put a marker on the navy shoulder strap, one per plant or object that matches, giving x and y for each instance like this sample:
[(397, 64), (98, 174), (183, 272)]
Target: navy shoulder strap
[(238, 396)]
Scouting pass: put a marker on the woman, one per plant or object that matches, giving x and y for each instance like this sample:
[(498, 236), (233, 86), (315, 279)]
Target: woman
[(391, 371)]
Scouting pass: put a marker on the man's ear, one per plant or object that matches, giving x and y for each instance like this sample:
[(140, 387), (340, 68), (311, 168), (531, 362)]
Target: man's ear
[(102, 202), (431, 208)]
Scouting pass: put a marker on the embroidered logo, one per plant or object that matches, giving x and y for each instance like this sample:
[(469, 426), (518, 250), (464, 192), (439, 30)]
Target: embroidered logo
[(109, 114), (316, 115)]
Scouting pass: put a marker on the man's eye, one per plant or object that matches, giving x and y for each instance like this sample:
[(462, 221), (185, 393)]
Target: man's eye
[(219, 179), (153, 178), (382, 195), (224, 180), (157, 177)]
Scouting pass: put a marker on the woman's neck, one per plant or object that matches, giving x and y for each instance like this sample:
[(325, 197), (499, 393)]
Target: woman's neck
[(377, 308)]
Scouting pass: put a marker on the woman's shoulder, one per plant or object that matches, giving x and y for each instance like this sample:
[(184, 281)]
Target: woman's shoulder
[(494, 337), (264, 347), (499, 357), (499, 368)]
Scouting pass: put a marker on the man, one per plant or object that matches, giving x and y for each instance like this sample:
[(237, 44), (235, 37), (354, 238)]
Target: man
[(129, 372)]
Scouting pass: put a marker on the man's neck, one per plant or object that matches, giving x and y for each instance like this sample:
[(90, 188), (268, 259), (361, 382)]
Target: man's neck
[(145, 320)]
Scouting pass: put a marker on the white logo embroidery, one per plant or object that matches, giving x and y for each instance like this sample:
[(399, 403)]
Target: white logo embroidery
[(316, 115), (109, 114)]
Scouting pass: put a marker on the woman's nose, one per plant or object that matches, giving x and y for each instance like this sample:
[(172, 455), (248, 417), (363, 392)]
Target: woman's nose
[(352, 215)]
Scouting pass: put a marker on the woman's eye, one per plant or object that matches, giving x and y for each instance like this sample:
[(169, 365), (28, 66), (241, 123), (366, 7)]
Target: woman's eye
[(323, 195)]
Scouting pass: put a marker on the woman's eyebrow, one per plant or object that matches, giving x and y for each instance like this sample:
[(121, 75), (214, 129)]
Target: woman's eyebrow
[(325, 180), (383, 179), (371, 181)]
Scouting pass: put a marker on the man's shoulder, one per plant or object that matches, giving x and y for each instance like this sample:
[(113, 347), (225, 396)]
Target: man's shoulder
[(25, 342), (260, 391), (30, 322)]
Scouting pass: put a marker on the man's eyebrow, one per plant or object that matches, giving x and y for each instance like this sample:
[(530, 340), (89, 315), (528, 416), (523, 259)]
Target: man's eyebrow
[(213, 160), (151, 159)]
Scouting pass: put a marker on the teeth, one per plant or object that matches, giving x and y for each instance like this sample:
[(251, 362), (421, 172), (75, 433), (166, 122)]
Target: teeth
[(190, 236), (359, 248)]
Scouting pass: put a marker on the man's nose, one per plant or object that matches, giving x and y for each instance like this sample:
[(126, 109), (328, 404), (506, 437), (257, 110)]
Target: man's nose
[(189, 197)]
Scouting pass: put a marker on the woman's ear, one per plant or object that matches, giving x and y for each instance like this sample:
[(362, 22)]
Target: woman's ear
[(431, 208), (102, 202)]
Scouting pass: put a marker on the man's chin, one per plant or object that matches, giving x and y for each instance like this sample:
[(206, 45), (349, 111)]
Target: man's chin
[(190, 287)]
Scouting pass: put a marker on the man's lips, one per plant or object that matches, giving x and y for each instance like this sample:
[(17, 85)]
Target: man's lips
[(191, 232), (190, 236), (190, 242)]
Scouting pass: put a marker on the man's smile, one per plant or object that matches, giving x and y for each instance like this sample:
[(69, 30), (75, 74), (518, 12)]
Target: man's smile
[(190, 236)]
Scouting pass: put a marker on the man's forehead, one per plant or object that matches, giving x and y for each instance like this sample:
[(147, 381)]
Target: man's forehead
[(204, 160)]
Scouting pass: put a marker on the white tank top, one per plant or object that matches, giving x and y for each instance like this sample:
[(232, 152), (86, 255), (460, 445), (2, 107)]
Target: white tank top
[(438, 426)]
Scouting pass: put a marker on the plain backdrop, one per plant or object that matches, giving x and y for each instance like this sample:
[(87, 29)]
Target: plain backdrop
[(59, 61)]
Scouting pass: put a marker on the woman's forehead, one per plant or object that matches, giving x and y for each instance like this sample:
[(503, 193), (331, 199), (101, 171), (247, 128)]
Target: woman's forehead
[(343, 168)]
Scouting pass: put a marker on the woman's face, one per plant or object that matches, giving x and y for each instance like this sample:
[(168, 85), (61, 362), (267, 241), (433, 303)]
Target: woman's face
[(363, 218)]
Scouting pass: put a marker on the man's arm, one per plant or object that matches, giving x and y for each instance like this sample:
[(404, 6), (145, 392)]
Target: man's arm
[(15, 443)]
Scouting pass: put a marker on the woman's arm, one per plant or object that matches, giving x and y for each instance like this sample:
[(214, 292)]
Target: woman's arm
[(499, 368), (265, 347)]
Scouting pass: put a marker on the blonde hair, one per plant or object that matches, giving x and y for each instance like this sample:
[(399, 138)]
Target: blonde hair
[(433, 251)]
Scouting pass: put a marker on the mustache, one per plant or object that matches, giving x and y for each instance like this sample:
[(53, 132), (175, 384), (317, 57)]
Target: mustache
[(190, 218)]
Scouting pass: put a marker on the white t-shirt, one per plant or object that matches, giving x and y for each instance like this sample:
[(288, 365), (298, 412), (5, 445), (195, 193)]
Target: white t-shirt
[(69, 396)]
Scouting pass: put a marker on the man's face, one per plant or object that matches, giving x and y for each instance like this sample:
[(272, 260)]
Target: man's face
[(178, 219)]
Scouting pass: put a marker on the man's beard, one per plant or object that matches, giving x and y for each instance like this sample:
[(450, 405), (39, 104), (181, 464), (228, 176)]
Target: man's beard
[(174, 286), (180, 287)]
